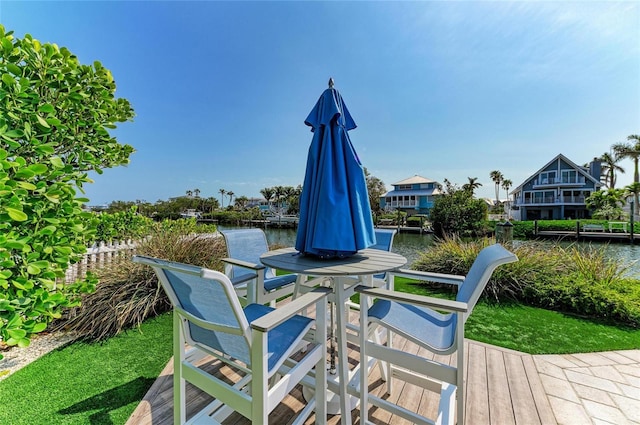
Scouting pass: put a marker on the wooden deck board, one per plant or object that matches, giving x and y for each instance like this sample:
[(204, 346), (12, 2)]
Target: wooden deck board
[(477, 395), (500, 407), (502, 387), (524, 409)]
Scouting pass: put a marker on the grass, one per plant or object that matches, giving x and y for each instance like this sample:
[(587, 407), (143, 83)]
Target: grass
[(97, 383), (103, 383)]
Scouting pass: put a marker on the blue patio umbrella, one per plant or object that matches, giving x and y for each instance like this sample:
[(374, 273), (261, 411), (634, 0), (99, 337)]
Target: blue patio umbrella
[(335, 215)]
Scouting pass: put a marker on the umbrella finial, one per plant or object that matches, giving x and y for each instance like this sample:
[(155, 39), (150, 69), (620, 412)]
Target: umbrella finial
[(330, 82)]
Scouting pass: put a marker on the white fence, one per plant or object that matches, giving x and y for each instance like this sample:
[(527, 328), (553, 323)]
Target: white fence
[(98, 256)]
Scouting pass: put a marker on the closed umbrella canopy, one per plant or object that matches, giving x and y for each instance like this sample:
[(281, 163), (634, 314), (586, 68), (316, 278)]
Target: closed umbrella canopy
[(335, 215)]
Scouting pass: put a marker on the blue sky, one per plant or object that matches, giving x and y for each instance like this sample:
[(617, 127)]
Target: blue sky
[(440, 89)]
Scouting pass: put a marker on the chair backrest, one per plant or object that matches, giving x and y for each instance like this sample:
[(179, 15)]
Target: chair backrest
[(384, 242), (207, 299), (246, 245), (384, 239), (480, 272)]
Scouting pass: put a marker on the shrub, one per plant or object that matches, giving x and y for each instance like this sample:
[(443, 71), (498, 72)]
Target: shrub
[(398, 217), (121, 226), (457, 212), (579, 281), (508, 282), (54, 119), (128, 292)]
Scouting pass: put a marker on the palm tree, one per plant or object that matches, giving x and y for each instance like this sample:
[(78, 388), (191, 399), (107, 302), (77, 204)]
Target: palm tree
[(289, 193), (632, 151), (633, 190), (268, 193), (497, 177), (230, 194), (189, 193), (222, 193), (196, 192), (506, 185), (472, 185), (610, 167), (278, 193), (242, 202)]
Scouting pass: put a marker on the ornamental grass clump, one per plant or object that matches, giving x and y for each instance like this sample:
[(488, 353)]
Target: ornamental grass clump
[(508, 282), (580, 281), (128, 293)]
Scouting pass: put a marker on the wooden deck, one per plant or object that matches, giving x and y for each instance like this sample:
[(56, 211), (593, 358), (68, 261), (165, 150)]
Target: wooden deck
[(503, 387)]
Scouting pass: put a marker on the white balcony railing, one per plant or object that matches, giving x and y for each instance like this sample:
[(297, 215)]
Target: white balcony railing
[(559, 181), (551, 200), (403, 204)]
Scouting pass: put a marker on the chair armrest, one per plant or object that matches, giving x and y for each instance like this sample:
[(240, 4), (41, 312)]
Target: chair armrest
[(244, 264), (420, 300), (280, 314), (451, 279)]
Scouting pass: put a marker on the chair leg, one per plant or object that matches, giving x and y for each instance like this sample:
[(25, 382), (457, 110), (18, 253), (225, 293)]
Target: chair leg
[(460, 390), (179, 387), (321, 366), (364, 360), (259, 381)]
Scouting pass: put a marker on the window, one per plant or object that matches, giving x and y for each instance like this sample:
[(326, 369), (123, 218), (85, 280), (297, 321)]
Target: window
[(548, 177), (569, 176)]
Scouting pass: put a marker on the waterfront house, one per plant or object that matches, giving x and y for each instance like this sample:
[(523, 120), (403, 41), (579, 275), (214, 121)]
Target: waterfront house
[(414, 195), (557, 191)]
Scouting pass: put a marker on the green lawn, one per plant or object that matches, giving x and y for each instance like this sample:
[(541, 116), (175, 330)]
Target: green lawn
[(103, 383), (88, 383)]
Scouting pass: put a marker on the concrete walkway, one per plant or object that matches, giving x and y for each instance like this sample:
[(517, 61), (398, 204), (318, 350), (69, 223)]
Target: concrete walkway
[(595, 388)]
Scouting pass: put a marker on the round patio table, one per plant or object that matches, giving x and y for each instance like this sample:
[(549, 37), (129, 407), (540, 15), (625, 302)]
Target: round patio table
[(344, 274)]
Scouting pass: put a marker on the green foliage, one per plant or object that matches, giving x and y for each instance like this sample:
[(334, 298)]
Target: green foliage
[(54, 119), (122, 225), (606, 204), (128, 293), (416, 221), (457, 212), (525, 229), (376, 189), (396, 218), (582, 281), (172, 208)]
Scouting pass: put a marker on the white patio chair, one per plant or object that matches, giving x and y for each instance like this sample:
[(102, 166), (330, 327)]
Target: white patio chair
[(256, 342), (249, 276), (419, 320)]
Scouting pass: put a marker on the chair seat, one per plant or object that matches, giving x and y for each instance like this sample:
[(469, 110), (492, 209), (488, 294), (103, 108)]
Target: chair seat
[(420, 324), (282, 337), (279, 281)]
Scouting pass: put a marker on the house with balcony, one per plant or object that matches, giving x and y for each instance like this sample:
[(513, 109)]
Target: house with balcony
[(414, 195), (556, 191)]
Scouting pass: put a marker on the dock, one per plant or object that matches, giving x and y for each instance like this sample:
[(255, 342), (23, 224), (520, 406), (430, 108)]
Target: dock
[(406, 229), (612, 231), (588, 236)]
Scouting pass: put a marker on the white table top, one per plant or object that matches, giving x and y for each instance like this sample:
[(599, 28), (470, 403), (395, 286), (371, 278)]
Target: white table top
[(364, 262)]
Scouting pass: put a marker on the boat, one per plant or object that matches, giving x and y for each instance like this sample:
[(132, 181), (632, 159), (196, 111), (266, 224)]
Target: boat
[(282, 220), (191, 213)]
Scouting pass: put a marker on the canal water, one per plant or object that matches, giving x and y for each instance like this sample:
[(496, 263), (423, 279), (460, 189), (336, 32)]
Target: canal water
[(410, 245)]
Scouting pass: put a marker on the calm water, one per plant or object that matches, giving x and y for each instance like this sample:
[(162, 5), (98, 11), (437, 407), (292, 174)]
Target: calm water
[(410, 245), (406, 244)]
